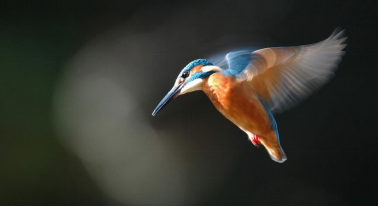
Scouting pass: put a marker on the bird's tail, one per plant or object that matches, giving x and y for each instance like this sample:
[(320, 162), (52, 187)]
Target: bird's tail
[(277, 154), (272, 141), (273, 146)]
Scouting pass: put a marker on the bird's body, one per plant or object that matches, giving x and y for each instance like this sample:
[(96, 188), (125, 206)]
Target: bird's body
[(240, 104), (259, 83)]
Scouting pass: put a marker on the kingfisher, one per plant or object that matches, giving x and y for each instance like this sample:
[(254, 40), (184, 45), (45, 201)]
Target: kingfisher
[(248, 87)]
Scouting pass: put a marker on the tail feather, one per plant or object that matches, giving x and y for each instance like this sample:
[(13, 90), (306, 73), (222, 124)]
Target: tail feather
[(273, 146), (277, 154), (272, 141)]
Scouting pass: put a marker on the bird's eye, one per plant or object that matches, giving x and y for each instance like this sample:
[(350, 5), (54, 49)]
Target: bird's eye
[(185, 74)]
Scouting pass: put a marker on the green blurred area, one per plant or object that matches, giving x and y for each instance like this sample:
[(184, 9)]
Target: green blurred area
[(33, 164)]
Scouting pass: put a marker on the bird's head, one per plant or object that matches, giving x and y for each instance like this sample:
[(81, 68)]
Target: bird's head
[(191, 78)]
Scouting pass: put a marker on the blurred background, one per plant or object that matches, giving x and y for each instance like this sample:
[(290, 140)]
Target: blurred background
[(80, 79)]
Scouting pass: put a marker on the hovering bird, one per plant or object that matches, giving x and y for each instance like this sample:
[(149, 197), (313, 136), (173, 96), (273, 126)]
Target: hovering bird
[(257, 84)]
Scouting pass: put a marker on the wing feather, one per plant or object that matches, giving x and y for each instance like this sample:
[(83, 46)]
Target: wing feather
[(284, 76)]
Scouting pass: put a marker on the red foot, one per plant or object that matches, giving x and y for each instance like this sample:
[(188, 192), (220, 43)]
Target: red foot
[(255, 140)]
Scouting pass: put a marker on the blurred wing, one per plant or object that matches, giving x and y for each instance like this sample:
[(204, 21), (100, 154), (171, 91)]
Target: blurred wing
[(239, 60), (284, 76)]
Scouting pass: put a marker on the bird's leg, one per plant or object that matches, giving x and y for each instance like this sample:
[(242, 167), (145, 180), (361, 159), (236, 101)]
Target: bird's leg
[(255, 140)]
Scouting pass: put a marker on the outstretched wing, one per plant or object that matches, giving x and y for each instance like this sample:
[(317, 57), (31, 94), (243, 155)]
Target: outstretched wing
[(283, 76)]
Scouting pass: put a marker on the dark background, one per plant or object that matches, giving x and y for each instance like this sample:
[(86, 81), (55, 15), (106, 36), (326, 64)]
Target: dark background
[(46, 52)]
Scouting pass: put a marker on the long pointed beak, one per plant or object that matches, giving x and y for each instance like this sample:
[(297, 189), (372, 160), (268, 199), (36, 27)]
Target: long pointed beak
[(172, 94)]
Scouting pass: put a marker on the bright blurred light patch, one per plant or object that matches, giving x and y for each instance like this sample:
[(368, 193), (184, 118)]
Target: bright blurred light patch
[(99, 116), (103, 125)]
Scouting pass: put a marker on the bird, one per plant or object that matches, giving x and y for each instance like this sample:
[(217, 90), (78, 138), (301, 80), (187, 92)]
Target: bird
[(249, 87)]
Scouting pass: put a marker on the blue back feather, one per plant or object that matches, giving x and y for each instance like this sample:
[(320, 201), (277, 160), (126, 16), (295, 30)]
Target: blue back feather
[(237, 62)]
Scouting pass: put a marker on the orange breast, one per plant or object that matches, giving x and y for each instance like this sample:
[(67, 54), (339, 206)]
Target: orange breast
[(238, 102)]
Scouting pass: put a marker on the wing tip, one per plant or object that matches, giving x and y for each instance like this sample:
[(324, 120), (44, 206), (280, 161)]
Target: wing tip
[(339, 35)]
